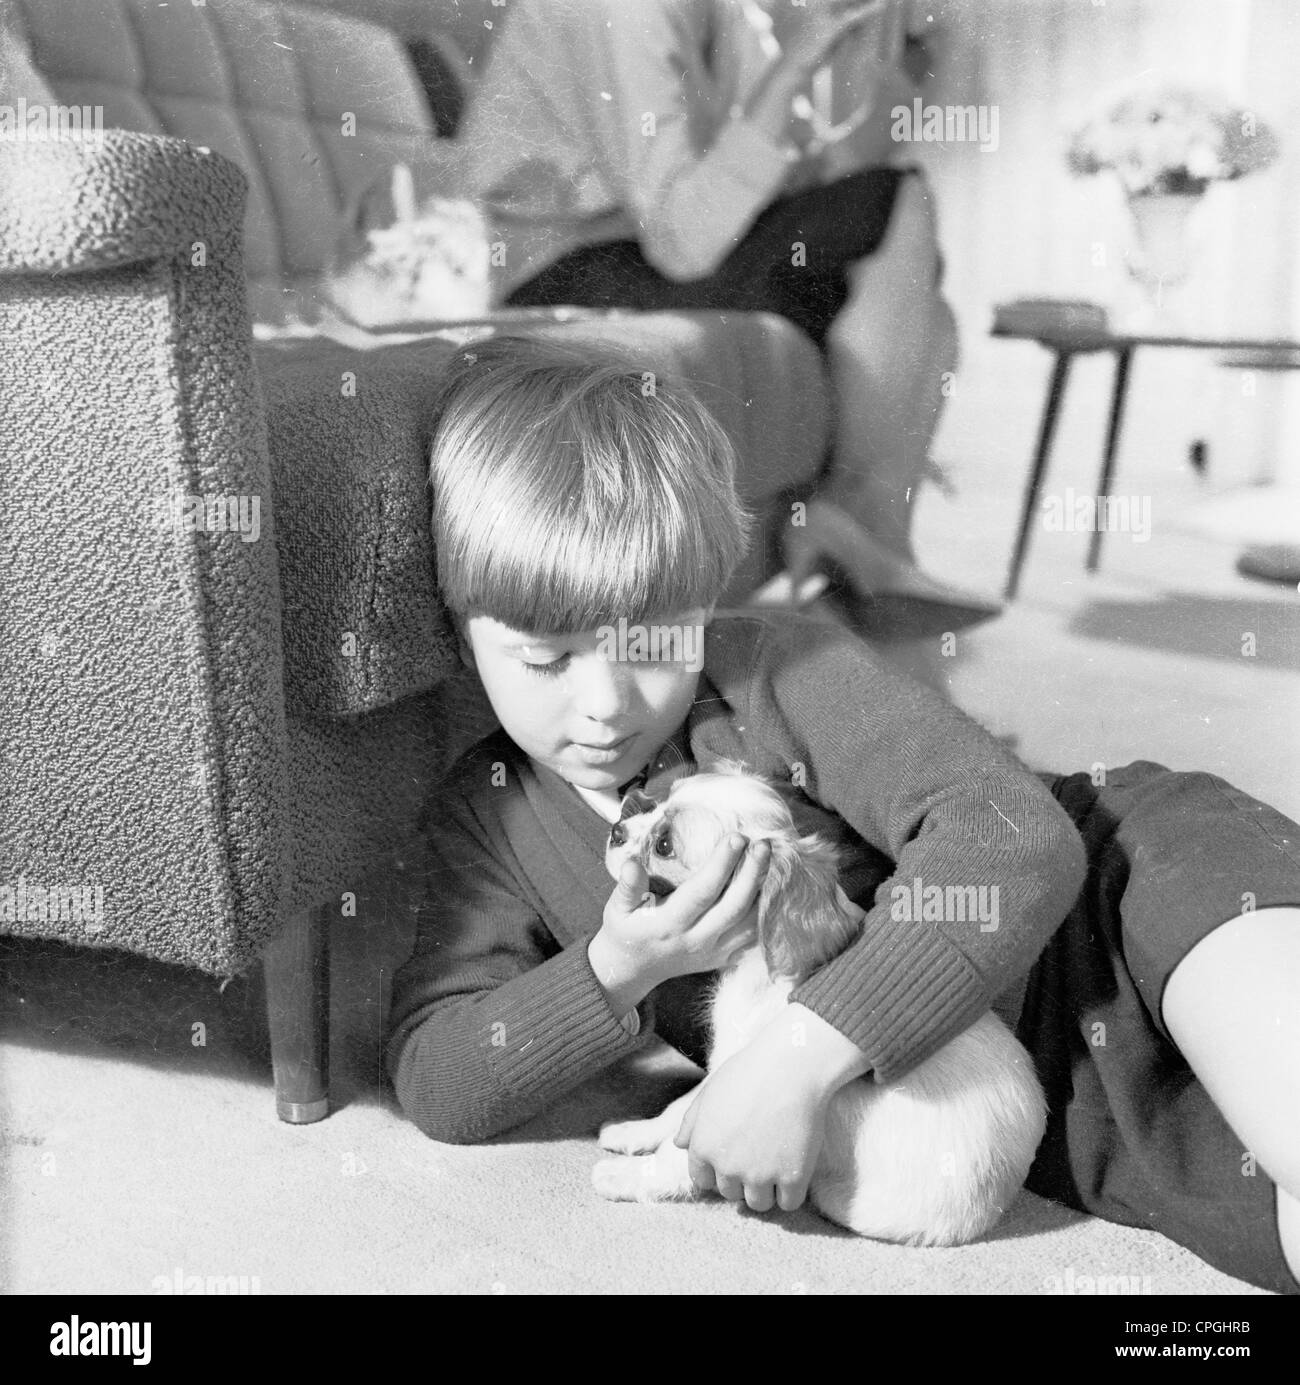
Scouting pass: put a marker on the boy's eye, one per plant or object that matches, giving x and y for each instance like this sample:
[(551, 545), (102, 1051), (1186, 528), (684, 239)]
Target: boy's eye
[(548, 670)]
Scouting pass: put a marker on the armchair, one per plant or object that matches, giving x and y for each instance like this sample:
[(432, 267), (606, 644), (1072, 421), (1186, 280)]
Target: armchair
[(228, 686)]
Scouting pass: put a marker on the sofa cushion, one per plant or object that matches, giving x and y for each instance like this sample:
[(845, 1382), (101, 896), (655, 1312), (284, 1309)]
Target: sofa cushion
[(312, 105), (350, 432)]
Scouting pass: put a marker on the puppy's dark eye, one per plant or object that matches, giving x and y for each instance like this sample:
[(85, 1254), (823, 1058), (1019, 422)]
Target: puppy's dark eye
[(664, 846), (617, 834)]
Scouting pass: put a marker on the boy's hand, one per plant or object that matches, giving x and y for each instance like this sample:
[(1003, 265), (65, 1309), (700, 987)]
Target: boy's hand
[(699, 927), (756, 1129)]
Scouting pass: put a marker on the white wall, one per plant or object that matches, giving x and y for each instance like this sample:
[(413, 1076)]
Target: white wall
[(1015, 222)]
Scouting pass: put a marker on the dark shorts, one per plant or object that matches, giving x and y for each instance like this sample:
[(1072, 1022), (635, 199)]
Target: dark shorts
[(1132, 1135), (836, 224)]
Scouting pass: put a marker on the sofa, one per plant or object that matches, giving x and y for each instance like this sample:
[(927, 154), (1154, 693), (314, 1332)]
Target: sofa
[(229, 685)]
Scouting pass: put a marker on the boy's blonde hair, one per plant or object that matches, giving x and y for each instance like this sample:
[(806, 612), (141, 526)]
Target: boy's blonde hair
[(570, 489)]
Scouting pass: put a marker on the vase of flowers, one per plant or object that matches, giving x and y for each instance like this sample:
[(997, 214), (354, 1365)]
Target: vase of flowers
[(1164, 225), (1166, 145)]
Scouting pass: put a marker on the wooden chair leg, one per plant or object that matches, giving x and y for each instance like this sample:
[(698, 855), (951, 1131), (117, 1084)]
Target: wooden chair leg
[(297, 1001)]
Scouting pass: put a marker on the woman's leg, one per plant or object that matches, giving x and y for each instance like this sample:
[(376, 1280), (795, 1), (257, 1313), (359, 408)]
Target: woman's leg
[(865, 290), (1232, 1006), (890, 348)]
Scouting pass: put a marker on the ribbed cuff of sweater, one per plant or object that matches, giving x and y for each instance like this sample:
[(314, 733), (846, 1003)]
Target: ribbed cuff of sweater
[(560, 1035), (484, 1067), (899, 1004)]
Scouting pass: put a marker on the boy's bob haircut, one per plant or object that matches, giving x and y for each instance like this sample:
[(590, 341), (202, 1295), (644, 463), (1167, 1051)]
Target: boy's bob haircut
[(570, 489)]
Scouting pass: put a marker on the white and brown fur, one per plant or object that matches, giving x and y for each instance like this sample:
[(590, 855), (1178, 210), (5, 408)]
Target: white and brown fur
[(932, 1159), (403, 259)]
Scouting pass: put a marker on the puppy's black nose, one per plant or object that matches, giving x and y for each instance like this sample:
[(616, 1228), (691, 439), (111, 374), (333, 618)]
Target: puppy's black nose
[(617, 834)]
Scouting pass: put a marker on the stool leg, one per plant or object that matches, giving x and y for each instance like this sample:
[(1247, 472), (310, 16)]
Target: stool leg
[(1118, 394), (297, 972), (1042, 451)]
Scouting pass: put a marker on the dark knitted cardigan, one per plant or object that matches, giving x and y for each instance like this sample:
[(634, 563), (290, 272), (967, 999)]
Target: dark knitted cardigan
[(498, 1013)]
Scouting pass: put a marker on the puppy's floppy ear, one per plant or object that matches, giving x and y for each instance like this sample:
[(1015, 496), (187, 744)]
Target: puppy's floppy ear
[(801, 922)]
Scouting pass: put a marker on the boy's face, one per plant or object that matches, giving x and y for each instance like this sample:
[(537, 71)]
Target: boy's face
[(594, 707)]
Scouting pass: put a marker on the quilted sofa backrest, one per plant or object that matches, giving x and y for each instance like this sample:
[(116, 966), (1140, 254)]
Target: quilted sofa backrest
[(311, 104)]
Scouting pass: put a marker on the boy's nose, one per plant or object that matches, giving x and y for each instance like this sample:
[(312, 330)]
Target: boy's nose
[(601, 690)]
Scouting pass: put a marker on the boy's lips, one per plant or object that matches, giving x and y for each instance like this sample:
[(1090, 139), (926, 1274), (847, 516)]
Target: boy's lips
[(606, 753)]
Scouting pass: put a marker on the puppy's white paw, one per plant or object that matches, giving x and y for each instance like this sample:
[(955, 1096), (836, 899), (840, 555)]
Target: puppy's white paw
[(645, 1177), (631, 1137), (622, 1180)]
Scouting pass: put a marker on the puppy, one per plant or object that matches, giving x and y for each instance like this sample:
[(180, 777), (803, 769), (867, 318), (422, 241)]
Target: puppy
[(403, 260), (933, 1159)]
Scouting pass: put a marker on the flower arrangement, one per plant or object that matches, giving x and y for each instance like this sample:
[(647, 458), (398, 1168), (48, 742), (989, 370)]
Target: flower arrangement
[(1170, 140)]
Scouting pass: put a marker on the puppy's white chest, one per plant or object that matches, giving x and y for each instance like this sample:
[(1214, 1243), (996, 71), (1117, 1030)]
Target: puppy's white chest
[(746, 999)]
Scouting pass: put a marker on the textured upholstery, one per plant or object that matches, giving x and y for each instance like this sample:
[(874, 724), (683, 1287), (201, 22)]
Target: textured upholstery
[(269, 85), (185, 732), (167, 736), (141, 744)]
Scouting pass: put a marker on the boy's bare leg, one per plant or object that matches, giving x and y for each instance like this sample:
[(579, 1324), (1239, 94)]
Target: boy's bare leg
[(1231, 1006)]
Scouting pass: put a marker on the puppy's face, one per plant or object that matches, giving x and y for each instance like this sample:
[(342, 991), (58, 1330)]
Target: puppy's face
[(802, 918), (645, 834), (674, 838)]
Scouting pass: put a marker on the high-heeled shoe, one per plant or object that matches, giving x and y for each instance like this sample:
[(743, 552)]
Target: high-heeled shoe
[(1274, 562), (886, 585)]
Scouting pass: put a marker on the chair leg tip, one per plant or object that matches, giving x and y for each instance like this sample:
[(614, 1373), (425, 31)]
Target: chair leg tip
[(302, 1112)]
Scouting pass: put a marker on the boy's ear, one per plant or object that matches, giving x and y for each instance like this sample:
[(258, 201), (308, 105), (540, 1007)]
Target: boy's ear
[(462, 641)]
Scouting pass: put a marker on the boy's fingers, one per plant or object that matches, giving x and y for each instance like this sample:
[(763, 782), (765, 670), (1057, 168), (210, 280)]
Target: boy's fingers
[(760, 1197), (632, 885), (791, 1193), (687, 1127), (745, 883), (701, 889), (702, 1174)]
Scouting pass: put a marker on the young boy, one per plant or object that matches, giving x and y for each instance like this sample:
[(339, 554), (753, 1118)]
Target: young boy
[(1147, 941)]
